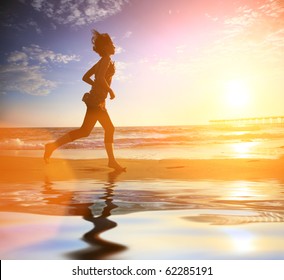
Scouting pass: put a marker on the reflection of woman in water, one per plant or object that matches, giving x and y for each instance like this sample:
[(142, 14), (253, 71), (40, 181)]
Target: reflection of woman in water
[(103, 71), (98, 247)]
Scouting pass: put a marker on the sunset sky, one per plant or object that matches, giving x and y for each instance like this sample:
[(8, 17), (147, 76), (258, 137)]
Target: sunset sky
[(179, 62)]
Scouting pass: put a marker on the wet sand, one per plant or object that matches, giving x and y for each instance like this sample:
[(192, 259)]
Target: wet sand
[(158, 209), (27, 169)]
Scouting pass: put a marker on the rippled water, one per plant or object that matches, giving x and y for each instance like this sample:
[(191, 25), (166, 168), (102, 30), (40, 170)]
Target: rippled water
[(152, 219)]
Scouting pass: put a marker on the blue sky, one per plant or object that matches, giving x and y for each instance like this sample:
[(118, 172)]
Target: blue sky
[(178, 62)]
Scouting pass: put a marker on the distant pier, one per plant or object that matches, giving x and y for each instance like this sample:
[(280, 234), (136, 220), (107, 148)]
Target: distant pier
[(273, 121)]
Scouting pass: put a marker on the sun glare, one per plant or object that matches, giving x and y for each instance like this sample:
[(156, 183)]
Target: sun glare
[(236, 93)]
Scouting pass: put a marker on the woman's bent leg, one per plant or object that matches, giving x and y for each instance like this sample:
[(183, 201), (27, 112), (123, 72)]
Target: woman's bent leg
[(84, 131), (87, 126)]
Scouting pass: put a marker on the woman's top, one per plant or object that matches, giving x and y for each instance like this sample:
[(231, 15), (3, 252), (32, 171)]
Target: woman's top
[(100, 92)]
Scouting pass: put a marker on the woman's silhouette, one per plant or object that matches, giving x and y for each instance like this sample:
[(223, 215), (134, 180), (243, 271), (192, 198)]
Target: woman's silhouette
[(103, 71)]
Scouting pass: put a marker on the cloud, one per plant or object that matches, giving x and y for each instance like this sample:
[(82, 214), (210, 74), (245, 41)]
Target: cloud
[(34, 24), (181, 49), (25, 70), (24, 78), (249, 44), (127, 34), (35, 53), (253, 35), (256, 22), (18, 57), (120, 69), (77, 12), (119, 49), (11, 21)]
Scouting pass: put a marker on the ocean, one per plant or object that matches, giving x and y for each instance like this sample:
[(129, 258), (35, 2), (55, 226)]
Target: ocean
[(77, 210), (156, 142)]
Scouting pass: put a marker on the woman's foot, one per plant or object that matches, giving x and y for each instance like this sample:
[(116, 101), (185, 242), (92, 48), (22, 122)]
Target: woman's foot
[(48, 150), (116, 166)]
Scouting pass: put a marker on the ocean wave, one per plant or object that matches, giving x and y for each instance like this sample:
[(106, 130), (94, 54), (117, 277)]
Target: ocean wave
[(135, 137), (18, 144)]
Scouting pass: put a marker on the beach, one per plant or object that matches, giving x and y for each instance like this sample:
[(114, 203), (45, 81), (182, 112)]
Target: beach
[(28, 169), (199, 207)]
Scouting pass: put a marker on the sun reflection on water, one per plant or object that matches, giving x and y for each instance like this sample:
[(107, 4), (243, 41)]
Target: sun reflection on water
[(241, 190), (242, 241), (244, 149)]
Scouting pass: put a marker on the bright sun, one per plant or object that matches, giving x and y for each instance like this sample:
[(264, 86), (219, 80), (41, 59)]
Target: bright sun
[(236, 93)]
